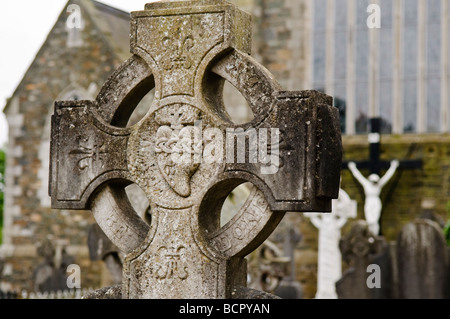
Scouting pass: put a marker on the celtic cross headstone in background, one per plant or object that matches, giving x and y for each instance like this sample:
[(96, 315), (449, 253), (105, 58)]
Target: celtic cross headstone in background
[(187, 155)]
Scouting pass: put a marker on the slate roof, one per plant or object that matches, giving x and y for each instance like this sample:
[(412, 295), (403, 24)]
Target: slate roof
[(114, 25)]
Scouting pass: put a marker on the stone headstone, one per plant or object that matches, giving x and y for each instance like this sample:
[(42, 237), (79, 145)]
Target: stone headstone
[(187, 155), (360, 249), (266, 267), (422, 261), (8, 295), (289, 287), (51, 274), (101, 248), (329, 268)]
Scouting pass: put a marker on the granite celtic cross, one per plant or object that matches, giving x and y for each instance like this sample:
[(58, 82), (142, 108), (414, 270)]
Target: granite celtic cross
[(187, 155)]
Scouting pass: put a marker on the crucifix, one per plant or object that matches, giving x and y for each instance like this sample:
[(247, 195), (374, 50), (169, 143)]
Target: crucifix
[(374, 183), (178, 156)]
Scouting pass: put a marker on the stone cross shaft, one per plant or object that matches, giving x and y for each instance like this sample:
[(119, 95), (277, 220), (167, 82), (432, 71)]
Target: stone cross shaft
[(187, 154)]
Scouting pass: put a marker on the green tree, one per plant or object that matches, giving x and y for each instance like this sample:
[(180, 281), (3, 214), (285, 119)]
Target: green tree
[(2, 189)]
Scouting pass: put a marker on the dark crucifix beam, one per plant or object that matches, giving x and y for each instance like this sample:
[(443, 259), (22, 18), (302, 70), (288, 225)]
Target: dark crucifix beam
[(374, 164)]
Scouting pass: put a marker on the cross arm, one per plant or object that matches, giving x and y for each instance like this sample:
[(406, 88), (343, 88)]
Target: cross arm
[(85, 153), (404, 164), (306, 173)]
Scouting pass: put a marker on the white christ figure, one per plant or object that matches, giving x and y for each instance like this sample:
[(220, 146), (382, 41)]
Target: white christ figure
[(372, 189), (329, 268)]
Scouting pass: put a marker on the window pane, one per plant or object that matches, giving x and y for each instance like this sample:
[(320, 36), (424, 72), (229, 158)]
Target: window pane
[(341, 14), (386, 13), (340, 40), (434, 105), (410, 105), (433, 65), (340, 102), (410, 39), (386, 53), (434, 11), (320, 18), (434, 50), (410, 52), (340, 56), (411, 10), (386, 106), (362, 54), (319, 57), (362, 102), (361, 19), (362, 70)]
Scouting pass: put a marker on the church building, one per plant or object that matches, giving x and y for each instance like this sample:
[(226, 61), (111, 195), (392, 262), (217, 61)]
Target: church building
[(380, 59)]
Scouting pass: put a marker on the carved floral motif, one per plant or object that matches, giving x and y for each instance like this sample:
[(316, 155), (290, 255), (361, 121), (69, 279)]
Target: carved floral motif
[(91, 150)]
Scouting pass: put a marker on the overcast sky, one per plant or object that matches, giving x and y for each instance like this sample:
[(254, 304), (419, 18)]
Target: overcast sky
[(24, 26)]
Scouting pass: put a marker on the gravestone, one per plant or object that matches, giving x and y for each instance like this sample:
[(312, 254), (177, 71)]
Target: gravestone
[(329, 268), (101, 248), (187, 155), (266, 267), (422, 261), (289, 287), (51, 274), (361, 249)]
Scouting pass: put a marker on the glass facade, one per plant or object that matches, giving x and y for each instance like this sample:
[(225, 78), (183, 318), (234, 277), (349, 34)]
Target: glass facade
[(433, 65), (410, 64), (319, 44), (385, 48), (419, 72)]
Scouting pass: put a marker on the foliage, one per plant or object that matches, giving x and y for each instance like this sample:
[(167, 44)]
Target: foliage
[(447, 226), (447, 233)]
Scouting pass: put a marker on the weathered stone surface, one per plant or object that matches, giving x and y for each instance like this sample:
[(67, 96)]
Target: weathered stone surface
[(50, 275), (266, 267), (422, 261), (360, 248), (101, 248), (113, 292), (289, 287), (187, 155)]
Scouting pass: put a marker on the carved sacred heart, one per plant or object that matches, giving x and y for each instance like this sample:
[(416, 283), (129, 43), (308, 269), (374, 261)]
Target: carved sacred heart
[(178, 146)]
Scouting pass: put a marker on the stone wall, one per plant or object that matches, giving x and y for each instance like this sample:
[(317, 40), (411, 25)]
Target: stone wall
[(410, 192), (408, 195), (58, 72)]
